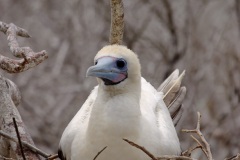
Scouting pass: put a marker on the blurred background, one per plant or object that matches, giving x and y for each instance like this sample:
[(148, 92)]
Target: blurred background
[(201, 37)]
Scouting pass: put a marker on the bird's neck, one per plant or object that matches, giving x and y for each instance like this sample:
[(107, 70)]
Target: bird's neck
[(116, 111), (122, 102)]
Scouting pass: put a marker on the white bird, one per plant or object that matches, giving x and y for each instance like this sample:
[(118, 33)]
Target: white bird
[(123, 105)]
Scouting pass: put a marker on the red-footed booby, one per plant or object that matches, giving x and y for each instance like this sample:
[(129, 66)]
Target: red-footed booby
[(123, 105)]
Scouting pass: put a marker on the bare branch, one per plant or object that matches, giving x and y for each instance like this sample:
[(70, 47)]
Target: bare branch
[(29, 58), (13, 92), (201, 146), (237, 157), (8, 111), (19, 138), (167, 157), (52, 157), (25, 144), (117, 22), (20, 31), (237, 5), (206, 147), (5, 158), (141, 148), (171, 25), (99, 153), (189, 151)]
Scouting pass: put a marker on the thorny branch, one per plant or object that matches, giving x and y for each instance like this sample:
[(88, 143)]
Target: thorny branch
[(29, 58)]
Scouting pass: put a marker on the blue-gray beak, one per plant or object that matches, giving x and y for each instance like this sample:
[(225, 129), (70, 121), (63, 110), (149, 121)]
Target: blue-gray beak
[(110, 69)]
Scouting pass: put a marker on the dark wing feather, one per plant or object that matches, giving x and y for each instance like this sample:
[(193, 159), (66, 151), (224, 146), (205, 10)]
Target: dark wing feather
[(60, 154), (174, 95)]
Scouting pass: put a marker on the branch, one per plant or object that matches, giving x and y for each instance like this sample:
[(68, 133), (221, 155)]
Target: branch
[(117, 22), (237, 5), (29, 58), (19, 138), (141, 148), (7, 112), (237, 157), (205, 146), (167, 157), (52, 157), (27, 145), (189, 151), (5, 158), (99, 153)]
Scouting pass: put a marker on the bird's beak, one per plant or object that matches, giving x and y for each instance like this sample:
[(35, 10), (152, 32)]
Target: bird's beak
[(106, 69)]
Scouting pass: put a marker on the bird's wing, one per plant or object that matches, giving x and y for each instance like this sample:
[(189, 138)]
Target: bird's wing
[(174, 94), (156, 112), (78, 124), (149, 100)]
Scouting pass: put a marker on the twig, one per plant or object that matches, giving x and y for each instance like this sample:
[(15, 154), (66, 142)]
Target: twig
[(172, 157), (167, 157), (29, 58), (20, 31), (99, 153), (117, 22), (19, 138), (237, 5), (5, 158), (52, 157), (200, 144), (206, 148), (141, 148), (236, 157), (25, 144), (189, 151)]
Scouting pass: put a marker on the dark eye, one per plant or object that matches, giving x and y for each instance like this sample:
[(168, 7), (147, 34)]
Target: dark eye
[(95, 62), (121, 63)]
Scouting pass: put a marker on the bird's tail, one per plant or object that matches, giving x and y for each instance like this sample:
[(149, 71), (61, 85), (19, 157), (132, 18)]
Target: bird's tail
[(174, 94)]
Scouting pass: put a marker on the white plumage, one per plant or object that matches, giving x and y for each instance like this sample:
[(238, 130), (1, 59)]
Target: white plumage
[(123, 105)]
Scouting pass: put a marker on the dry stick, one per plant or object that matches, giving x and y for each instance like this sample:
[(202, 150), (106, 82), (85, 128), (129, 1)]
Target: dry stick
[(19, 138), (29, 58), (200, 144), (5, 158), (205, 149), (99, 153), (172, 157), (20, 31), (189, 151), (7, 111), (25, 144), (117, 22), (141, 148), (52, 157), (236, 157)]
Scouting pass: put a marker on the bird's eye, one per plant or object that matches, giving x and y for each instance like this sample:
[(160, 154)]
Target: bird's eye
[(95, 62), (121, 63)]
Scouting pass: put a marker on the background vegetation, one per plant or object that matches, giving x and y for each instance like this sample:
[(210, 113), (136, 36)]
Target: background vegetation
[(201, 37)]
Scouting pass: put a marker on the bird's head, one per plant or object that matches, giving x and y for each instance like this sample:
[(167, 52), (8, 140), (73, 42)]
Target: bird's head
[(116, 67)]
